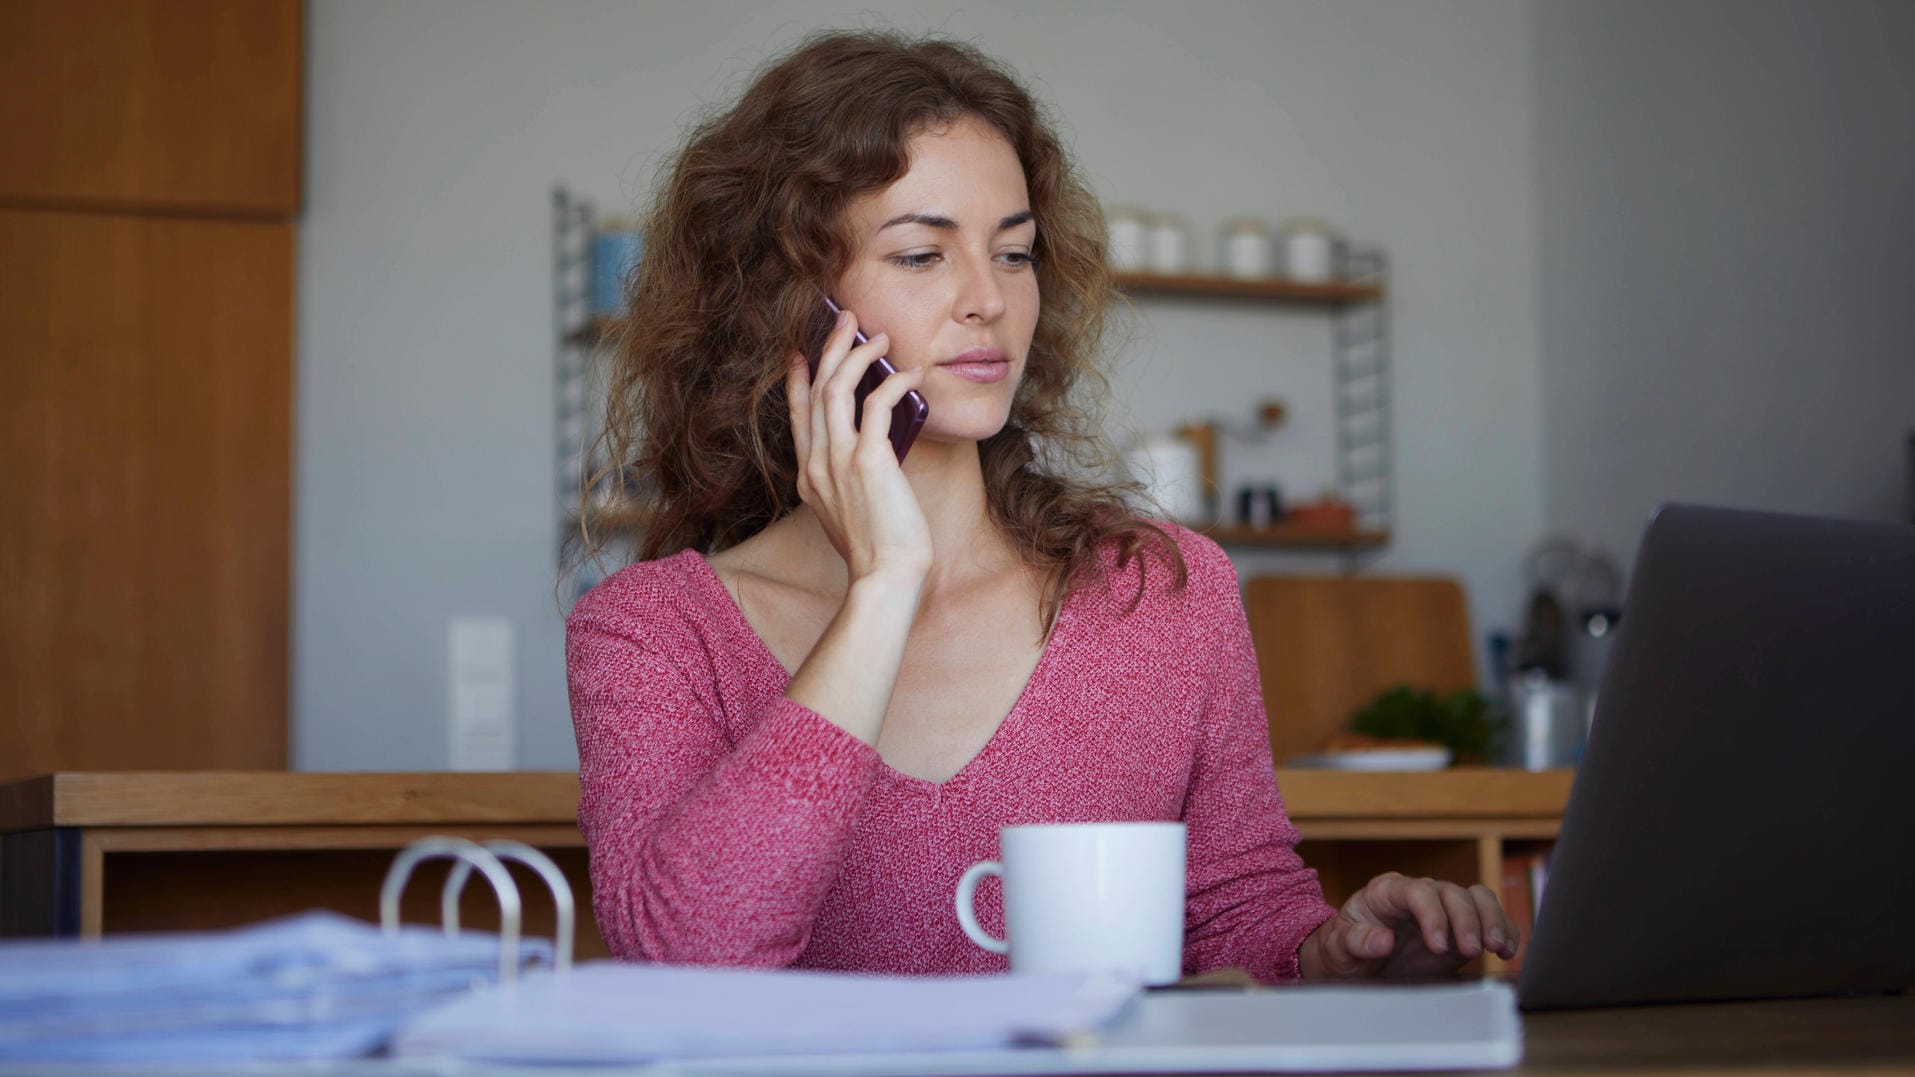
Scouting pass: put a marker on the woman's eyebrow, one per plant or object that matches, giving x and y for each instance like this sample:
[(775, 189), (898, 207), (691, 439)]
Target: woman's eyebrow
[(932, 220)]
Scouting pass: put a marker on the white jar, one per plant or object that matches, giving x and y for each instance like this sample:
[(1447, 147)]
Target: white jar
[(1171, 471), (1309, 250), (1247, 253), (1128, 241), (1169, 245)]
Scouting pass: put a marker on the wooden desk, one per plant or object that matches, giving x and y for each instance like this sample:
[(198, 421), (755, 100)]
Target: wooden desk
[(87, 853), (90, 853), (1872, 1034)]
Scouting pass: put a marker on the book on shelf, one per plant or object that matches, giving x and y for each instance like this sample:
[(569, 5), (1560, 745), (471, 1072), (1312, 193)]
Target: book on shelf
[(1523, 877)]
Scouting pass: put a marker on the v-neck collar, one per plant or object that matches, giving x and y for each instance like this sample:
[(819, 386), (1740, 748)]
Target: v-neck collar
[(723, 600)]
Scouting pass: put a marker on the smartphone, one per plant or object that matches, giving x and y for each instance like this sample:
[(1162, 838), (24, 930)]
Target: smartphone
[(907, 418)]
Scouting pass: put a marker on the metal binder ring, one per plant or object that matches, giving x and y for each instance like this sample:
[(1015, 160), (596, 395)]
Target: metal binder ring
[(506, 849), (467, 854)]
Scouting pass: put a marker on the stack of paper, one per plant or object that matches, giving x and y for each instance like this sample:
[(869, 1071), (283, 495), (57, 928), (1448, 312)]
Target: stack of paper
[(687, 1023), (318, 985), (645, 1013)]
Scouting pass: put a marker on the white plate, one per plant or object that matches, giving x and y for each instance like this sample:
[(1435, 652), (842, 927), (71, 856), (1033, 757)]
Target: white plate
[(1377, 759)]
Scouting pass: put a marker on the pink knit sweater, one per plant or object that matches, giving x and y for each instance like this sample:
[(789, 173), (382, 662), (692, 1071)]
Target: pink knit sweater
[(728, 825)]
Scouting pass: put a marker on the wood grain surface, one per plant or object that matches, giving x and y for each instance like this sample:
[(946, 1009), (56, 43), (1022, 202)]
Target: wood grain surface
[(1864, 1034), (146, 411), (1462, 803), (185, 106), (241, 798)]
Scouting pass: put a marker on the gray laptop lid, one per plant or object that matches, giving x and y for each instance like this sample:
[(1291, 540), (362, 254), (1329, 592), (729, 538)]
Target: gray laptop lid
[(1743, 820)]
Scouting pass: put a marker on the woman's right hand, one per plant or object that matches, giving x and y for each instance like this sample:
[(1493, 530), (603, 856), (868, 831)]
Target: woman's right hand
[(847, 473)]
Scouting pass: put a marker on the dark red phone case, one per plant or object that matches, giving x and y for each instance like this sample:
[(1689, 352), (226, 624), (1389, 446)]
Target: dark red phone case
[(907, 417)]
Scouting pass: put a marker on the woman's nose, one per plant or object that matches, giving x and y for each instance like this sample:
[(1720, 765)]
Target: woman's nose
[(980, 296)]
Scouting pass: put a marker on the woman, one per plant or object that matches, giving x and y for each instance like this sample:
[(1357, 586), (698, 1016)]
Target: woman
[(834, 676)]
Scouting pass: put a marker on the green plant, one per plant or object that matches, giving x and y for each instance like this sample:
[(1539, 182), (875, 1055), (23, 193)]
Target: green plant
[(1465, 722)]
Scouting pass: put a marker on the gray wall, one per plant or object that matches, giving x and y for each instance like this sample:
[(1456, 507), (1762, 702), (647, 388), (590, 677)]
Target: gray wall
[(437, 128), (1726, 220)]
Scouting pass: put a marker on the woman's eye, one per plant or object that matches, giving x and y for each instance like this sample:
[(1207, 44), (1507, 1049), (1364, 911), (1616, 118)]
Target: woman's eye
[(1018, 259), (924, 260)]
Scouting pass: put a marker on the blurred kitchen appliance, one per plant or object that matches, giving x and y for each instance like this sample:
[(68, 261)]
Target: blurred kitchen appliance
[(1546, 722), (1556, 664)]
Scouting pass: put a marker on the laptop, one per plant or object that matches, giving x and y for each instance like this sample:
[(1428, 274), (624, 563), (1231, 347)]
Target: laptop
[(1742, 824)]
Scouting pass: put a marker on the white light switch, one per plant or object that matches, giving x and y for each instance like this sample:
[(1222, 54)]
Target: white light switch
[(480, 693)]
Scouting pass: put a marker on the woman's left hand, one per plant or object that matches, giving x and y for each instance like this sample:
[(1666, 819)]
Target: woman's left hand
[(1399, 926)]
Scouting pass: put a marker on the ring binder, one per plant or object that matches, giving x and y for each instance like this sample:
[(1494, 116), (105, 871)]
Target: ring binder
[(564, 928), (472, 855)]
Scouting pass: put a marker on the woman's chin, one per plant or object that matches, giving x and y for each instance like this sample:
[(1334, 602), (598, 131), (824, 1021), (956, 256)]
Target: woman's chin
[(959, 421), (958, 432)]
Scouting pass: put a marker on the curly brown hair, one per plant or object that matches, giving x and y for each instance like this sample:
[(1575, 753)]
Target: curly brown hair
[(751, 218)]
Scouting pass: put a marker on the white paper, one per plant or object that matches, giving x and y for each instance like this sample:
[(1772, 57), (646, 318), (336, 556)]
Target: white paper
[(317, 985), (637, 1013), (1284, 1030)]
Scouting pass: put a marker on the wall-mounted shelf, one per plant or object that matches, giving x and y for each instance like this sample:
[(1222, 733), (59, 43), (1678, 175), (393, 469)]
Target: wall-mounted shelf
[(1360, 373), (1294, 536), (1332, 293), (1360, 365), (1274, 290), (578, 389)]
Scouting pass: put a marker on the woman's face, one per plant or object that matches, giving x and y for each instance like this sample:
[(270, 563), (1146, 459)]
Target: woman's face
[(942, 264)]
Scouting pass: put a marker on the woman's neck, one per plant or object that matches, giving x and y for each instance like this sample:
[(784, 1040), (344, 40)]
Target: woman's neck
[(948, 478)]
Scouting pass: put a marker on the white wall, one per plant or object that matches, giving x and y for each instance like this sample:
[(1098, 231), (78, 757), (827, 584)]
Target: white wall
[(436, 129), (1727, 235)]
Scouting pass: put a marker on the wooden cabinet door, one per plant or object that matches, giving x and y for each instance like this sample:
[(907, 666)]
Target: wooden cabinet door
[(145, 406), (180, 105)]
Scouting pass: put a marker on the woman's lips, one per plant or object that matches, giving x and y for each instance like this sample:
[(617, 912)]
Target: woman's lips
[(979, 364)]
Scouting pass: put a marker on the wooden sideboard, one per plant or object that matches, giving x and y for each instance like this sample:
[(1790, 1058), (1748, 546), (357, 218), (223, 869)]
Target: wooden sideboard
[(92, 853)]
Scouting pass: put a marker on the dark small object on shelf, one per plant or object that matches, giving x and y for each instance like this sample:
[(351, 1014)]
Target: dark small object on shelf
[(1259, 506), (1465, 722)]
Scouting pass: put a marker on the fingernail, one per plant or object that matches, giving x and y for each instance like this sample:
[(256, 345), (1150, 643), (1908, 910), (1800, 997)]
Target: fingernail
[(844, 316), (1495, 939), (1442, 943)]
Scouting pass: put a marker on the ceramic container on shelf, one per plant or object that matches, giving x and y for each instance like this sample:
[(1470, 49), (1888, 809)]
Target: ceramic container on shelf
[(1169, 245), (615, 252), (1310, 250), (1172, 474), (1247, 250), (1128, 239)]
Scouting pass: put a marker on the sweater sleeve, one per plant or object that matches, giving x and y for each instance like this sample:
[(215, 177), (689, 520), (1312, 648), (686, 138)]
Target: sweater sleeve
[(702, 851), (1251, 902)]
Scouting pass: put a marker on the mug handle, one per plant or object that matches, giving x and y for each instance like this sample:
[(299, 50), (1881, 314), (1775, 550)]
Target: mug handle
[(967, 899)]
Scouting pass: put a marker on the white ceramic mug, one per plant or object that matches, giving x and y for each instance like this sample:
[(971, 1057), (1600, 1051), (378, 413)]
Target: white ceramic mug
[(1086, 897)]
